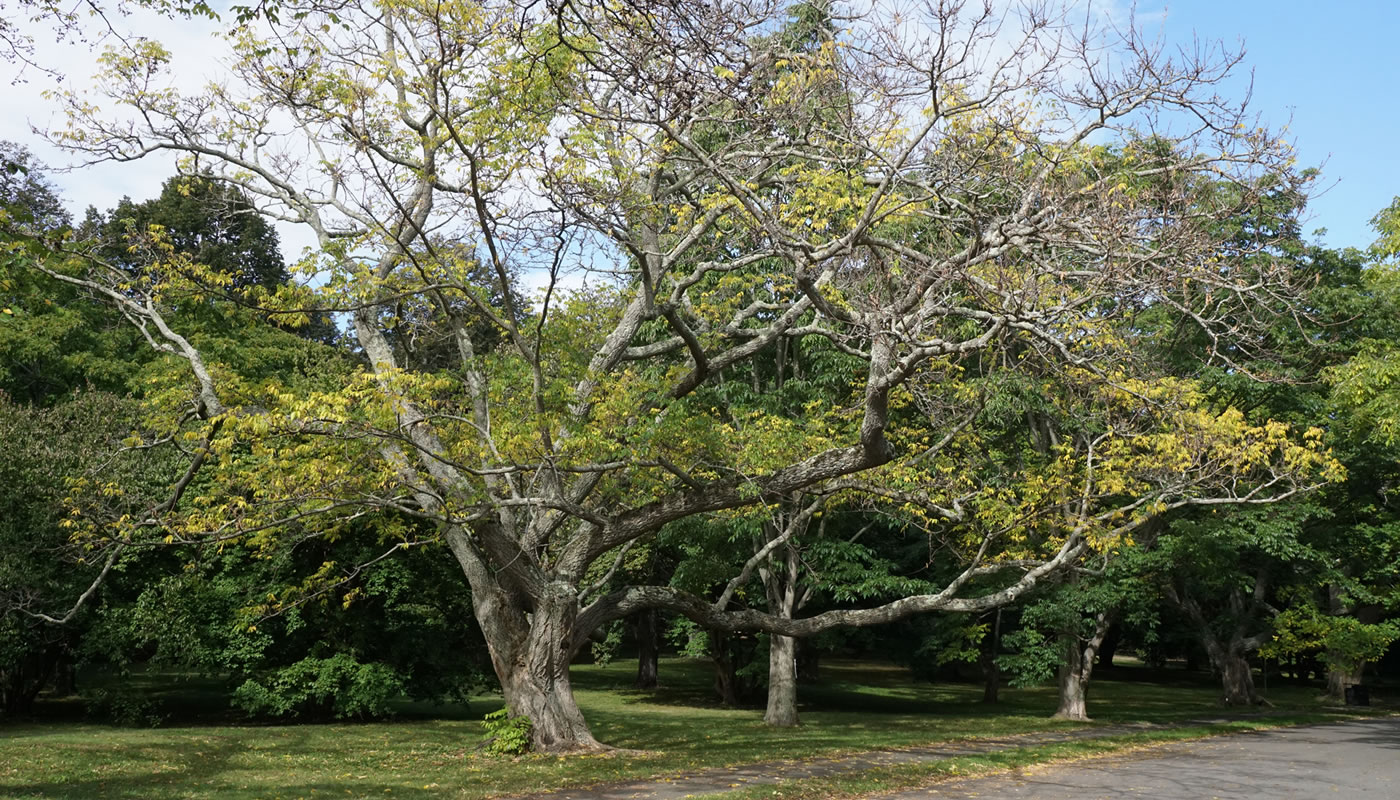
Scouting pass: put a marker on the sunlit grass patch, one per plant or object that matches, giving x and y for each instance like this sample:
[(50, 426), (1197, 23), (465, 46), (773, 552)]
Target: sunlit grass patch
[(675, 728)]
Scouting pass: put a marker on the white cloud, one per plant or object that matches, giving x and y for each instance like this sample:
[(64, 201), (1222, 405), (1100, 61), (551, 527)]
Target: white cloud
[(197, 48)]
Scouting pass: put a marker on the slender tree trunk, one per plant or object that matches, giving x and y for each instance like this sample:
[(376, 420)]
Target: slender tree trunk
[(65, 682), (726, 672), (1193, 660), (648, 648), (780, 583), (20, 686), (991, 670), (782, 682), (1342, 671)]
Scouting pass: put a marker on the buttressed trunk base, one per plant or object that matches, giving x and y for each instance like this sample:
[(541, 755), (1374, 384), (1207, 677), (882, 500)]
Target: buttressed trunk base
[(533, 668), (1339, 677), (1237, 680)]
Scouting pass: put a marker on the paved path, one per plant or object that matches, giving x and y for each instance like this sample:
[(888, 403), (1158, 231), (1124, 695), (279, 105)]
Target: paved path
[(1359, 759), (724, 779)]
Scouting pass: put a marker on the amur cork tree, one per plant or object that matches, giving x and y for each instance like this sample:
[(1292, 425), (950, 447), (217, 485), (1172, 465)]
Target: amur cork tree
[(938, 195)]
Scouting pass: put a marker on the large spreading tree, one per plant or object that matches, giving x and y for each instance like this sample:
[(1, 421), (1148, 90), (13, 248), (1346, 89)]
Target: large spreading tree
[(948, 198)]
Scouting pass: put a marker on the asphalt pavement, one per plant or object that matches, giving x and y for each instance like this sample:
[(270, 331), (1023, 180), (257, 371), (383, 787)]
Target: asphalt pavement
[(1359, 759)]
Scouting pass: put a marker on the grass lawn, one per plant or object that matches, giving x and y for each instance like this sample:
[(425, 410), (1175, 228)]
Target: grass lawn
[(857, 706)]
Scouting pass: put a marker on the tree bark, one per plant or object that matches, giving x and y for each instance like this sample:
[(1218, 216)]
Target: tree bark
[(21, 684), (726, 672), (531, 655), (648, 649), (809, 660), (780, 582), (1339, 677), (991, 670), (541, 691), (1110, 646), (1343, 671), (1076, 670), (782, 682), (1229, 653), (1237, 680), (1073, 704)]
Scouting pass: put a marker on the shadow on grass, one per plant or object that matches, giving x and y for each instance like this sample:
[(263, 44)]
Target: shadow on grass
[(857, 706), (211, 771)]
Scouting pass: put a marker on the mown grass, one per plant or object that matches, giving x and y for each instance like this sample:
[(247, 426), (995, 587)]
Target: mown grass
[(858, 706)]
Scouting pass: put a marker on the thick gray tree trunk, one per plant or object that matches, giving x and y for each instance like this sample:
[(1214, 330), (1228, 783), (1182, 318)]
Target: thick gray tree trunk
[(1231, 662), (536, 683), (1236, 679), (1340, 676), (782, 682), (1073, 686), (1076, 670), (540, 690), (530, 654)]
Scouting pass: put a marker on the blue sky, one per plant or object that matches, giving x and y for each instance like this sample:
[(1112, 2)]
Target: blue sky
[(1330, 71), (1334, 68)]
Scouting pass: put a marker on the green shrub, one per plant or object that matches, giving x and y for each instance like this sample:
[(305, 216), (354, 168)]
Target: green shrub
[(506, 735), (339, 685), (124, 707)]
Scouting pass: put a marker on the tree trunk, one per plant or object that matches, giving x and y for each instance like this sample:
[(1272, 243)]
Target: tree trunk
[(1229, 655), (531, 655), (1073, 703), (809, 660), (1340, 676), (65, 683), (1341, 670), (780, 578), (991, 670), (726, 672), (20, 686), (648, 649), (782, 682), (1236, 677), (1077, 669), (1110, 646), (1238, 681), (542, 692)]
